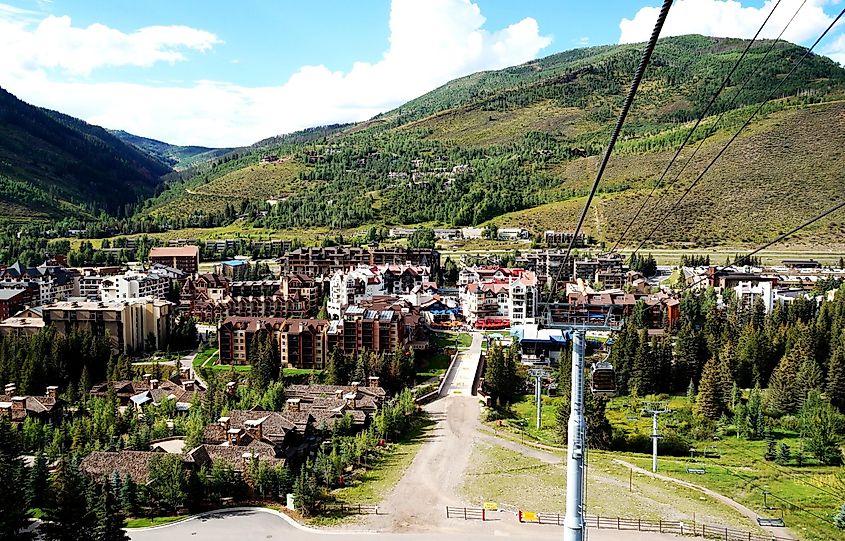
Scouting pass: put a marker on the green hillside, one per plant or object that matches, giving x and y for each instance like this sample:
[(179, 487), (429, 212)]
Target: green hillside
[(55, 166), (177, 157), (520, 145)]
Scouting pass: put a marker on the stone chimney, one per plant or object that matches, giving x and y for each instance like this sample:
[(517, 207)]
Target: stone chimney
[(338, 394), (233, 436), (153, 384), (189, 385), (372, 382), (6, 411), (224, 422), (355, 386), (53, 392), (11, 389), (292, 405), (231, 388), (147, 378), (247, 459), (350, 400), (185, 373), (253, 428), (19, 403)]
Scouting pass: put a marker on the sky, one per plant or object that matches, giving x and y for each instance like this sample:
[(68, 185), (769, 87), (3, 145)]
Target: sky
[(220, 73)]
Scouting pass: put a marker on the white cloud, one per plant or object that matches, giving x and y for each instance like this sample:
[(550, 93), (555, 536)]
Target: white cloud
[(430, 43), (836, 50), (729, 18)]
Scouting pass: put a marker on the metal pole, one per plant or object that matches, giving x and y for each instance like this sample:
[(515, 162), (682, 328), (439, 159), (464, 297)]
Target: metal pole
[(654, 442), (538, 396), (574, 520)]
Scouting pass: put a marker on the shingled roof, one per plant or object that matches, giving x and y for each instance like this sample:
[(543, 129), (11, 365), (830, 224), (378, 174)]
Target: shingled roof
[(136, 464)]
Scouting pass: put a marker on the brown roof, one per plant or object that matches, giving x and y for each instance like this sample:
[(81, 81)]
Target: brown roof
[(233, 455), (102, 464)]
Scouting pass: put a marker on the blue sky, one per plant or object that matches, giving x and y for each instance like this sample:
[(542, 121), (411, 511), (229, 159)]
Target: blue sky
[(223, 73)]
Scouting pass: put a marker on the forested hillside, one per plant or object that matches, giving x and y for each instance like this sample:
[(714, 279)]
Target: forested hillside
[(178, 157), (54, 166), (526, 137)]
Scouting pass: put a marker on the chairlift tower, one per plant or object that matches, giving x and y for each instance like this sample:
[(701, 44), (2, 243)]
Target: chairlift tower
[(655, 409), (577, 321)]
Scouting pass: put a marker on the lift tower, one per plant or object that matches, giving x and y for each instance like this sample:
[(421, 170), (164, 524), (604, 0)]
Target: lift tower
[(578, 320)]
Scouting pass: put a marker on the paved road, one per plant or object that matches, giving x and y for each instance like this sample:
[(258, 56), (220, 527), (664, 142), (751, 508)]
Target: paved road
[(262, 524)]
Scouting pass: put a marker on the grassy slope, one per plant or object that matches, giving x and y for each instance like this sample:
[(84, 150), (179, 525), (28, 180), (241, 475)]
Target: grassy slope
[(783, 170)]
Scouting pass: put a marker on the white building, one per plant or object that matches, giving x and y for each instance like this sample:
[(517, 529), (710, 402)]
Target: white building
[(513, 233), (351, 287), (134, 285), (747, 294), (514, 297)]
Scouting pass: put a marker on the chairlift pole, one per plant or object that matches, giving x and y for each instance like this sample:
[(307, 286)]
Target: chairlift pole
[(574, 529), (538, 396), (655, 410)]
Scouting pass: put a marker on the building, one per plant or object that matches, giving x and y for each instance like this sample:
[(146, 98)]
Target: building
[(563, 238), (307, 343), (316, 262), (748, 293), (181, 389), (25, 323), (236, 269), (513, 233), (52, 282), (184, 258), (210, 297), (605, 270), (351, 287), (133, 324), (13, 301), (134, 285), (17, 408)]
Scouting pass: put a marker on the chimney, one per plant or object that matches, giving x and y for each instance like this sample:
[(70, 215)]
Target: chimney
[(6, 411), (373, 382), (247, 459), (233, 436), (53, 392), (18, 403), (153, 384), (293, 405), (11, 389), (147, 378), (338, 394), (189, 385), (355, 386), (224, 422), (253, 428), (231, 388), (185, 372), (350, 400)]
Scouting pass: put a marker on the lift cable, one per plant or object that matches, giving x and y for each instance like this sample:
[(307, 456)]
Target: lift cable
[(629, 99), (800, 61), (700, 118)]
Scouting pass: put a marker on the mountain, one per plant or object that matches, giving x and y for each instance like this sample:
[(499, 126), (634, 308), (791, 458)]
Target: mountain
[(55, 166), (177, 157), (521, 146)]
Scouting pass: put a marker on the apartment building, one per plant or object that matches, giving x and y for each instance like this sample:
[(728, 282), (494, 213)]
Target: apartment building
[(130, 323), (184, 258)]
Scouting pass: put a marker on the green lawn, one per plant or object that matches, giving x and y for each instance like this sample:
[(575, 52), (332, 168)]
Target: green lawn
[(447, 340), (206, 356), (808, 495), (146, 522), (435, 366)]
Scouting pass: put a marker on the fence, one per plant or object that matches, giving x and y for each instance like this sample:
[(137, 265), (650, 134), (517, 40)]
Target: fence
[(466, 513), (630, 524), (349, 509)]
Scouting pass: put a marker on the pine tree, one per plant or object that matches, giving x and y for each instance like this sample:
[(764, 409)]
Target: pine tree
[(836, 375), (783, 393), (809, 378), (66, 516), (710, 402), (110, 519), (38, 481), (14, 511)]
